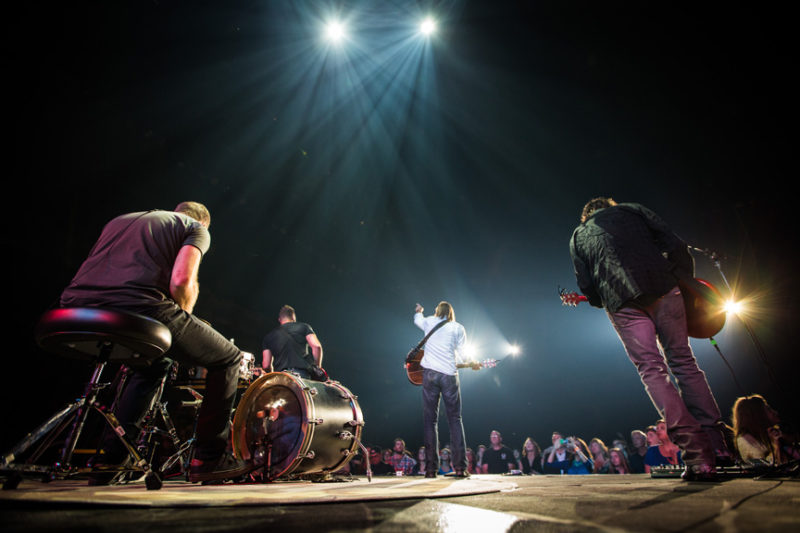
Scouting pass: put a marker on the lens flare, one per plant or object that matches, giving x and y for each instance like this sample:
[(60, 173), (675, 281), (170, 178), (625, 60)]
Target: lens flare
[(470, 350), (733, 307), (335, 31), (427, 26)]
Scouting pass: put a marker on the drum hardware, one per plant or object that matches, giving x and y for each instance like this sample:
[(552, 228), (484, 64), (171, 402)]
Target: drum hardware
[(366, 458), (277, 426), (247, 366), (100, 336), (147, 445), (198, 398), (75, 414)]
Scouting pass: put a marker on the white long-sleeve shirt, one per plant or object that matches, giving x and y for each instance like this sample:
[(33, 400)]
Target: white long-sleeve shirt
[(442, 349)]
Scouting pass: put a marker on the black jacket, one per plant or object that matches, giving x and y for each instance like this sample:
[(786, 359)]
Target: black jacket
[(626, 254)]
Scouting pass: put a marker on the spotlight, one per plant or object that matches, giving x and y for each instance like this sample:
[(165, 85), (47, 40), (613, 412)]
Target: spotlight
[(427, 26), (470, 351), (335, 31), (734, 307), (514, 349)]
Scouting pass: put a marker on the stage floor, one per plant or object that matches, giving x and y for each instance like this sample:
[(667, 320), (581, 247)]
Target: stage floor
[(487, 503)]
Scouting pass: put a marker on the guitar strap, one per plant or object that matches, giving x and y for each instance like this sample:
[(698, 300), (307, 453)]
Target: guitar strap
[(419, 346)]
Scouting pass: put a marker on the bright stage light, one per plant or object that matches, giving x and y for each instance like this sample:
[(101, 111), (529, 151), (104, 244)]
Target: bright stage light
[(335, 31), (514, 349), (733, 307), (427, 26), (470, 351)]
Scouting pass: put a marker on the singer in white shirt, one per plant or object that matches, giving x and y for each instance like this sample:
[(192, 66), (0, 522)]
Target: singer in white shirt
[(440, 380)]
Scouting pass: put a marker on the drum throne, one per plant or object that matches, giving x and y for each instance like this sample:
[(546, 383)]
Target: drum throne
[(97, 336)]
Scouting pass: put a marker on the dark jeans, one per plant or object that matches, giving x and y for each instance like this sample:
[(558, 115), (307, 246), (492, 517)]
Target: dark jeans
[(436, 385), (194, 343), (694, 422)]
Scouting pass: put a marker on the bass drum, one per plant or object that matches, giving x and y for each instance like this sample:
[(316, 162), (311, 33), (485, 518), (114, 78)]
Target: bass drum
[(290, 425)]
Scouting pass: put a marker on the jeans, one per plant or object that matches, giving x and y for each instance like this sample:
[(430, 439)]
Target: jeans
[(194, 343), (436, 385), (694, 422)]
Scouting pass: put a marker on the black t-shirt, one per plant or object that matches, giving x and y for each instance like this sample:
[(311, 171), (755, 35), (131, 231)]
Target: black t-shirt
[(636, 462), (131, 262), (497, 460), (530, 468), (288, 346)]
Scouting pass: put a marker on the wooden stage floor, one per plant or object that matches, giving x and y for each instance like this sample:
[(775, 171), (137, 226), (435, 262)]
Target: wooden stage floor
[(487, 503)]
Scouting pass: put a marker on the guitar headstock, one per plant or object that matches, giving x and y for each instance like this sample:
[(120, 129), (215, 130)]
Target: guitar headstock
[(571, 298), (488, 363)]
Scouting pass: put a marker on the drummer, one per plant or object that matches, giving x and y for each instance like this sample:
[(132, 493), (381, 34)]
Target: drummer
[(292, 346)]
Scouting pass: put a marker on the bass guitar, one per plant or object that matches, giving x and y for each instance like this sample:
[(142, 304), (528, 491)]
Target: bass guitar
[(705, 316), (414, 369)]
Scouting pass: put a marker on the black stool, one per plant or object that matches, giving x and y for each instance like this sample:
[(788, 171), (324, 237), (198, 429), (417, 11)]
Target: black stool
[(101, 336)]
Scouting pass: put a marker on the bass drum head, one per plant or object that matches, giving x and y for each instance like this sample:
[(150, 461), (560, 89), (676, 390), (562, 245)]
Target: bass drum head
[(296, 425)]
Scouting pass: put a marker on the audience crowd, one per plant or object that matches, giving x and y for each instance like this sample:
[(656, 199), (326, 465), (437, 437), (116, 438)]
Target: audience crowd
[(755, 437)]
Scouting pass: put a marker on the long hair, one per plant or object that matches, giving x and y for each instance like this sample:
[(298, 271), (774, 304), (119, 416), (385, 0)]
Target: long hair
[(584, 448), (751, 417), (537, 451), (445, 310), (623, 461), (603, 447)]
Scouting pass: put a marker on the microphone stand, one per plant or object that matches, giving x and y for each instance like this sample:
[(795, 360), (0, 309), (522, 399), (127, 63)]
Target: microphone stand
[(716, 259)]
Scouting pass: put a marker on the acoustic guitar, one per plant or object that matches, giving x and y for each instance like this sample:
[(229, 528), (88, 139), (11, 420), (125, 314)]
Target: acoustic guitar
[(414, 369), (705, 316)]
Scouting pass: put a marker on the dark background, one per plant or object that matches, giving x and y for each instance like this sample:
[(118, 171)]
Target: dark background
[(352, 183)]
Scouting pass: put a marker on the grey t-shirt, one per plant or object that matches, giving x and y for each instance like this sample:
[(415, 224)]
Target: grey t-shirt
[(131, 263)]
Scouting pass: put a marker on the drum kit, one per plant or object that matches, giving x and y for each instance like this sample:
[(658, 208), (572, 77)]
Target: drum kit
[(288, 426)]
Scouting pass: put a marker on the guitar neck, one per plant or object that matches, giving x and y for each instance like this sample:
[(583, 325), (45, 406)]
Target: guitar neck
[(488, 363)]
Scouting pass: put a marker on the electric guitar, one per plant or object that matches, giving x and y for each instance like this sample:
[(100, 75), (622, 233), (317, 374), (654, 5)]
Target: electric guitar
[(414, 369), (702, 301)]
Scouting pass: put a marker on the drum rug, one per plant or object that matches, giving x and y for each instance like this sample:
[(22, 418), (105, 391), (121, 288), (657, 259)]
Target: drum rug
[(183, 494)]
